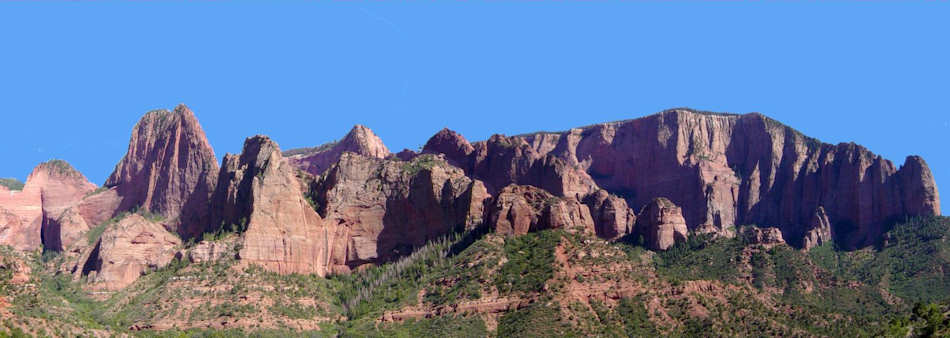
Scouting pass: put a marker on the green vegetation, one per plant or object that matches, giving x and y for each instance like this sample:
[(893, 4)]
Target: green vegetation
[(538, 320), (447, 326), (11, 183), (530, 262), (97, 191), (60, 167), (390, 286), (699, 257), (913, 263), (701, 287), (310, 150), (226, 230), (420, 163)]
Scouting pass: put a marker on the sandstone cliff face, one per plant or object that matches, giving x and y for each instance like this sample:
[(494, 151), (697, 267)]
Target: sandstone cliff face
[(520, 209), (170, 169), (27, 218), (125, 251), (612, 217), (661, 224), (259, 192), (722, 169), (359, 140), (383, 209)]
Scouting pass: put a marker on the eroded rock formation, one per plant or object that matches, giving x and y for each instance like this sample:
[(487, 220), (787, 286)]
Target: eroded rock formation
[(769, 236), (170, 169), (28, 217), (126, 250), (385, 208), (661, 224), (818, 231), (520, 209), (259, 194)]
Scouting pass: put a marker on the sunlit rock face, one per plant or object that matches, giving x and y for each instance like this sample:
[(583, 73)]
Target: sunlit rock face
[(28, 217), (169, 169)]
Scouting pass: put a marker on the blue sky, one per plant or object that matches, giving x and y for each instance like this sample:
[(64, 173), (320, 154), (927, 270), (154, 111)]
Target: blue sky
[(75, 77)]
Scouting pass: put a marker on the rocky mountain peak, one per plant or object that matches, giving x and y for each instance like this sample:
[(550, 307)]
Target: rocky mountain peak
[(360, 140), (26, 216), (170, 169), (448, 142), (363, 141)]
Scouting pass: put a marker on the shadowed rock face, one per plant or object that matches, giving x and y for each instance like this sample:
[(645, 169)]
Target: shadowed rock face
[(170, 169), (383, 209), (359, 140), (818, 231), (721, 169), (28, 217)]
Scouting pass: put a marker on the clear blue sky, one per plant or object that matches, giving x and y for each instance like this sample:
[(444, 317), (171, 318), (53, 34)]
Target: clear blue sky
[(75, 77)]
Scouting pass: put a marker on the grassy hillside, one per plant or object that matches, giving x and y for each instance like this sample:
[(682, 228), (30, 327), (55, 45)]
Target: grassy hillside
[(550, 283)]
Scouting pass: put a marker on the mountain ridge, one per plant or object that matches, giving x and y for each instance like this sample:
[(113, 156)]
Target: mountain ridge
[(669, 186)]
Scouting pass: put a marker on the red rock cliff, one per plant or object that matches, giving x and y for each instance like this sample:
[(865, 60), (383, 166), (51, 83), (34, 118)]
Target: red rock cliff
[(259, 192), (386, 208), (27, 218), (721, 169), (170, 169)]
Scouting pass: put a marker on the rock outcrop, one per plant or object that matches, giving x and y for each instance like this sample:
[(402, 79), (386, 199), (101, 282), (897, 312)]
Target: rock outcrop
[(211, 251), (520, 209), (170, 169), (28, 217), (612, 217), (722, 169), (661, 224), (259, 193), (384, 208), (767, 236), (359, 140), (126, 250), (818, 231)]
